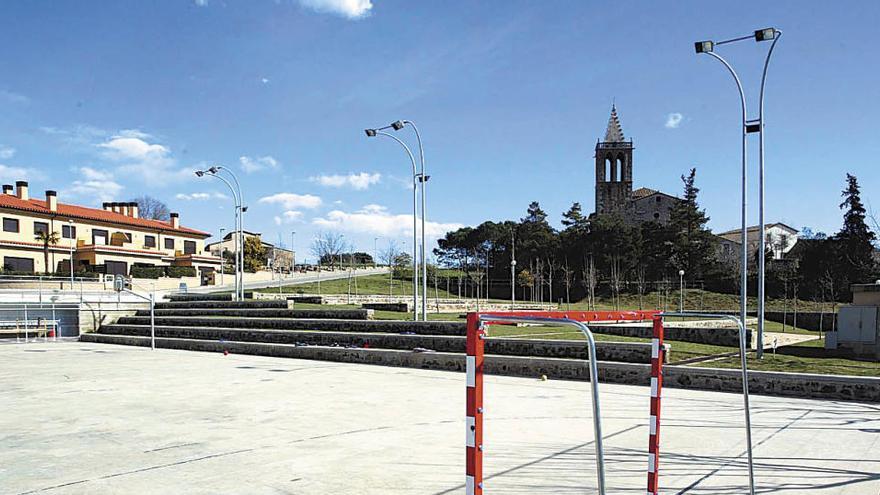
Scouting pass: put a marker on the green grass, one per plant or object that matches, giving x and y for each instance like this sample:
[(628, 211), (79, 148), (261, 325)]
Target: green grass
[(797, 364), (368, 284)]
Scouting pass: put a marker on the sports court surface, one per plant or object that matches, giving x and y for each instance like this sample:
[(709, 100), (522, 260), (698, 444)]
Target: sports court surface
[(88, 418)]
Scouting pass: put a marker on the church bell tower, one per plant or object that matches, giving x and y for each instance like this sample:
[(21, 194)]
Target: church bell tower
[(613, 169)]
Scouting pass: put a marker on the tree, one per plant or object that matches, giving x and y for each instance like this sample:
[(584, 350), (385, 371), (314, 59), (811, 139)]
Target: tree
[(855, 240), (387, 256), (254, 254), (152, 208), (693, 245), (46, 238), (327, 246)]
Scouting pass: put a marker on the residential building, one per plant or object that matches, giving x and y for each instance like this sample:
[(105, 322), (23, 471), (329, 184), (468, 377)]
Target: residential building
[(109, 240), (275, 257), (779, 238)]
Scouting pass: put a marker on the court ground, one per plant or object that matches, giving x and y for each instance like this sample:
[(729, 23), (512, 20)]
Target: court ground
[(86, 418)]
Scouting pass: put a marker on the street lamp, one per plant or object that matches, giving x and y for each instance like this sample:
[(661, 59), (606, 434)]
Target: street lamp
[(681, 291), (375, 251), (748, 127), (292, 254), (423, 178), (239, 212), (415, 263), (512, 270), (72, 241)]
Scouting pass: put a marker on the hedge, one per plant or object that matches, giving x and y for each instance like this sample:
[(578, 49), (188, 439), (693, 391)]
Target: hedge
[(147, 271), (180, 271)]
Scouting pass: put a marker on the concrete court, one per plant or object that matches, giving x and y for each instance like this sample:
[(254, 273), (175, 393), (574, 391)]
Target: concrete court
[(88, 418)]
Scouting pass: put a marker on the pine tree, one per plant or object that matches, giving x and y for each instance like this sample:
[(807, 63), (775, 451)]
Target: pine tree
[(693, 246), (574, 216), (855, 240)]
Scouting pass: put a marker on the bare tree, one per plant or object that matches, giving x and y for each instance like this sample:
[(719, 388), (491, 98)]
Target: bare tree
[(615, 280), (551, 267), (567, 276), (152, 208), (387, 257), (590, 281), (641, 283), (328, 246)]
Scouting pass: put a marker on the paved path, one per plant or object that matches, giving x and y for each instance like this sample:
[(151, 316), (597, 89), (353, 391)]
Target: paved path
[(99, 419)]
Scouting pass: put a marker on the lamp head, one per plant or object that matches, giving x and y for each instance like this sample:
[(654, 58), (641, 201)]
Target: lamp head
[(765, 34), (681, 272), (370, 132), (213, 170), (704, 46), (397, 125), (200, 173)]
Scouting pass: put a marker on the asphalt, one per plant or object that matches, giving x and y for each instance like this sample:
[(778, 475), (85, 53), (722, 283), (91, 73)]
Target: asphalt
[(81, 418)]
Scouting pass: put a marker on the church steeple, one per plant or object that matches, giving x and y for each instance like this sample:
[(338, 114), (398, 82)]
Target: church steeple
[(614, 133)]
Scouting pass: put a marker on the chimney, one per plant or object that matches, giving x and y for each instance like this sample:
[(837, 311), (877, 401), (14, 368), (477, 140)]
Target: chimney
[(133, 209), (115, 207), (7, 188), (52, 200), (175, 221), (123, 208), (106, 205), (22, 190)]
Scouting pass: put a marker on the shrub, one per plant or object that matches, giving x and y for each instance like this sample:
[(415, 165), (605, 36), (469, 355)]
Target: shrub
[(180, 271), (138, 271)]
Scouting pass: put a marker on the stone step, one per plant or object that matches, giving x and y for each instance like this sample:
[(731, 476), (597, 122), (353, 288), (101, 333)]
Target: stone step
[(571, 349), (199, 297), (249, 303), (336, 314), (339, 325)]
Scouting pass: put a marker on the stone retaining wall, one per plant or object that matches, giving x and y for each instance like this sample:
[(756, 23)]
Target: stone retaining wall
[(338, 314), (443, 305), (770, 383), (671, 331), (247, 303), (382, 326)]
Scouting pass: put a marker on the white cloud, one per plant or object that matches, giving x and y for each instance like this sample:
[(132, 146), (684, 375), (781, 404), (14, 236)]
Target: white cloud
[(289, 216), (137, 158), (359, 181), (6, 152), (9, 174), (94, 184), (291, 201), (375, 219), (200, 196), (201, 3), (264, 80), (352, 9), (673, 120), (250, 165)]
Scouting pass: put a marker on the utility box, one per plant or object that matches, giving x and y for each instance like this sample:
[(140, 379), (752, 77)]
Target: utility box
[(858, 325)]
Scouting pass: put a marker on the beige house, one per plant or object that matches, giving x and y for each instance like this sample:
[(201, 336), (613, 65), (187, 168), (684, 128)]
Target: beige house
[(108, 240), (779, 238), (276, 257)]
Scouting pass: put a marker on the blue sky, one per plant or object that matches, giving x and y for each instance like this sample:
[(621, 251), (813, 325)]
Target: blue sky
[(107, 101)]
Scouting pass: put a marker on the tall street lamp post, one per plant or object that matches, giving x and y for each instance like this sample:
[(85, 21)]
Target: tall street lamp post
[(72, 242), (292, 253), (236, 198), (748, 127), (415, 263), (422, 178), (681, 291), (222, 256)]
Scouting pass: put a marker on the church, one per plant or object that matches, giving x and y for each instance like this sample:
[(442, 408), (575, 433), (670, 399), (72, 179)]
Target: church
[(614, 181)]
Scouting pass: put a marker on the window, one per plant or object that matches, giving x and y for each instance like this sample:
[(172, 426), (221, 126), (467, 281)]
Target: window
[(41, 227), (10, 225), (68, 231), (14, 264), (169, 243), (100, 237), (656, 216), (189, 247), (658, 199), (150, 241)]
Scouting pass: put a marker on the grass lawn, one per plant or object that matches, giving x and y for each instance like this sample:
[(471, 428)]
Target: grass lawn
[(368, 284), (797, 364)]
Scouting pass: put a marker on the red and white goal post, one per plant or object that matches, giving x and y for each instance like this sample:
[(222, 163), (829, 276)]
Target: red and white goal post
[(476, 334)]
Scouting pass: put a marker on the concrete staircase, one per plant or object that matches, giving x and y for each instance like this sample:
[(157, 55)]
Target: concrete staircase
[(270, 328)]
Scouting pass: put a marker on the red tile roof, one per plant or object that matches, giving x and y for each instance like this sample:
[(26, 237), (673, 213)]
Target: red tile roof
[(83, 212)]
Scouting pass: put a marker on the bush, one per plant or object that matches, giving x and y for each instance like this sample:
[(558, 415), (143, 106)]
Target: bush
[(180, 271), (139, 271)]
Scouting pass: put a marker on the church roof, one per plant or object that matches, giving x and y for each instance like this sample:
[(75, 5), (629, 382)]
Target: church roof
[(614, 133), (643, 192)]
